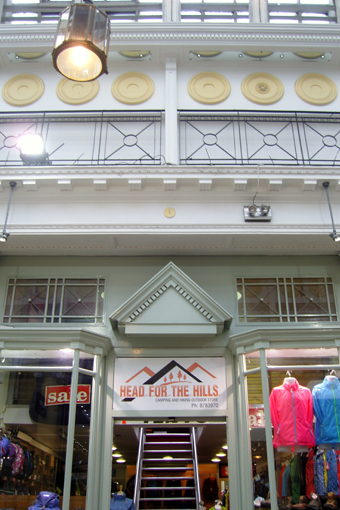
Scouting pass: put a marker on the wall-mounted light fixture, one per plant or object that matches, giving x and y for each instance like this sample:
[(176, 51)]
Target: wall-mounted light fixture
[(333, 235), (32, 149), (255, 212), (82, 42), (5, 235)]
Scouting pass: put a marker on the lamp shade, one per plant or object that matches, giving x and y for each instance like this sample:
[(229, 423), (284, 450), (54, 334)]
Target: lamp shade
[(82, 43)]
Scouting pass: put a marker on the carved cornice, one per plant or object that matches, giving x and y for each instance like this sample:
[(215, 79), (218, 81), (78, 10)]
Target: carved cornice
[(252, 35), (125, 172), (285, 336)]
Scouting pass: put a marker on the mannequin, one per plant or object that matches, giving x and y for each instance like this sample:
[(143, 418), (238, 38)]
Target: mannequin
[(120, 501)]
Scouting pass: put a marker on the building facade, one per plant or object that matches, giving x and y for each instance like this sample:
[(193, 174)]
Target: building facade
[(169, 261)]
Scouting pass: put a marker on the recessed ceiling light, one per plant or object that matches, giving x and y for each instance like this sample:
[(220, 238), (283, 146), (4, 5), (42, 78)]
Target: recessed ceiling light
[(215, 459), (167, 457), (121, 461), (221, 454), (225, 447), (116, 455), (114, 448)]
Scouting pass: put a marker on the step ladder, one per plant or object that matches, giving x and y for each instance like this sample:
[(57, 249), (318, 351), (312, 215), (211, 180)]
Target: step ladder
[(167, 469)]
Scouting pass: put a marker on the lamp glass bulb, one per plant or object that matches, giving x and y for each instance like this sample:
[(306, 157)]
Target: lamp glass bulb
[(79, 63), (31, 144)]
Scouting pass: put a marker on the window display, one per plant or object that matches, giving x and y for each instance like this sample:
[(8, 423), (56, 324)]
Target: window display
[(305, 416)]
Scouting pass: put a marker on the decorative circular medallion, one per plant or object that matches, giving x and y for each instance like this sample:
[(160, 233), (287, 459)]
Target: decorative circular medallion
[(309, 54), (30, 55), (134, 54), (132, 88), (262, 88), (23, 89), (206, 54), (209, 88), (169, 212), (258, 54), (73, 92), (316, 89)]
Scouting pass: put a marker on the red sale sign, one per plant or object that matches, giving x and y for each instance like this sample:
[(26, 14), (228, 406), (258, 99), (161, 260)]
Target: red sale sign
[(56, 395)]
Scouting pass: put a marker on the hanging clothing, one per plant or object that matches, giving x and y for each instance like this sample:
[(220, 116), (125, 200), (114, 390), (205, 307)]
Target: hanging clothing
[(319, 474), (295, 470), (326, 402), (332, 472), (291, 410), (285, 478), (310, 487), (280, 481)]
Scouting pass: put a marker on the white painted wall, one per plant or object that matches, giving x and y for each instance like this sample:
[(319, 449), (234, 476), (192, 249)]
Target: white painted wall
[(234, 71)]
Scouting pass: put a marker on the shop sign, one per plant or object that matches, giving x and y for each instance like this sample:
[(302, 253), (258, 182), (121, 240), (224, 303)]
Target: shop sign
[(256, 417), (188, 384), (56, 395)]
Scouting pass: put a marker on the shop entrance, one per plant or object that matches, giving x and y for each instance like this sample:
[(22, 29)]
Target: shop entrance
[(181, 463)]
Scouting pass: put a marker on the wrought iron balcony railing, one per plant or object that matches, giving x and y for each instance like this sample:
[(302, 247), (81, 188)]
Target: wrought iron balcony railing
[(266, 138), (227, 138), (86, 138)]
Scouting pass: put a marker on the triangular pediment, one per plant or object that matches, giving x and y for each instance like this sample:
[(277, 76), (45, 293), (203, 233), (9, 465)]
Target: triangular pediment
[(171, 303)]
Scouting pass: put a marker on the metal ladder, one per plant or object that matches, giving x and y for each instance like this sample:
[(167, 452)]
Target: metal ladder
[(155, 467)]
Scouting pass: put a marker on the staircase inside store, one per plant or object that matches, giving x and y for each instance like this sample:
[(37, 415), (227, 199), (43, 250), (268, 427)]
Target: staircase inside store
[(167, 469)]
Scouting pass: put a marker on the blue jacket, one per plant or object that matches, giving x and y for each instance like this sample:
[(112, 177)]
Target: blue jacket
[(46, 500), (326, 404), (121, 502)]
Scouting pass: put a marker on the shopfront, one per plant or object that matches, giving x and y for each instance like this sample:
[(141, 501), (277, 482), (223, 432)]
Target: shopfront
[(285, 414), (164, 359)]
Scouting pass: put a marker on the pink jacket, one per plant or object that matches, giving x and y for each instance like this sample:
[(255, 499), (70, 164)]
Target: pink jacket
[(291, 411)]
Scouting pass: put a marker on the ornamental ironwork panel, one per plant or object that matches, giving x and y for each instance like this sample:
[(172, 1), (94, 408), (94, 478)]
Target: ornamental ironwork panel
[(253, 138), (85, 138), (286, 300)]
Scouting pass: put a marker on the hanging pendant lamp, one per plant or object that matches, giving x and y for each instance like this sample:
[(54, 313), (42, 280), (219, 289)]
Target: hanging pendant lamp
[(82, 43)]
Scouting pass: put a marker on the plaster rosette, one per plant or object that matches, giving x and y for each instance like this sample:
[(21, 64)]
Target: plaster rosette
[(23, 89), (209, 88), (316, 89), (72, 92), (262, 88), (132, 88), (258, 54)]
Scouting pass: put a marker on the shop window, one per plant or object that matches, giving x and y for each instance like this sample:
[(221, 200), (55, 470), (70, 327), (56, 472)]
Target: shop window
[(54, 300), (305, 467), (35, 415), (285, 300)]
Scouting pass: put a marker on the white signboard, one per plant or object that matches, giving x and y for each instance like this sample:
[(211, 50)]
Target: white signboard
[(191, 384)]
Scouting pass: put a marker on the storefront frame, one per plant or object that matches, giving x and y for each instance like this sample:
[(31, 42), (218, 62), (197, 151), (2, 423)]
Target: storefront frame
[(79, 341), (261, 340)]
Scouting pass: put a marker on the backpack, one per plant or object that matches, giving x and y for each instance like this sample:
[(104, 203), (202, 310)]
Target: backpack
[(28, 464), (18, 461), (8, 461), (4, 447), (48, 500)]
